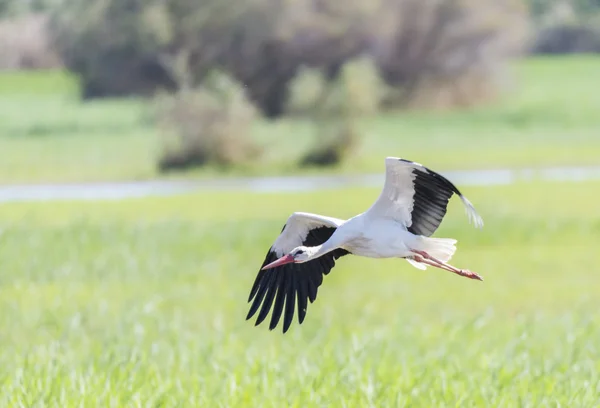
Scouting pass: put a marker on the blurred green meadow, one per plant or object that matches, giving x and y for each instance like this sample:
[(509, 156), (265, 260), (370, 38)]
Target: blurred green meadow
[(142, 302), (48, 135)]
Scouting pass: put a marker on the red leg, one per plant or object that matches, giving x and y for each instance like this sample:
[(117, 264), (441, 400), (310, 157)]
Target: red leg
[(425, 258)]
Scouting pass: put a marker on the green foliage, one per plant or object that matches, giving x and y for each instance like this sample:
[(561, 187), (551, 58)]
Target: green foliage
[(337, 140), (306, 89), (542, 119), (210, 125), (142, 303), (143, 41), (107, 43), (363, 87), (358, 91), (263, 43)]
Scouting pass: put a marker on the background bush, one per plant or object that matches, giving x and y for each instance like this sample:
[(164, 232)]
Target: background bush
[(566, 27), (210, 124), (305, 90)]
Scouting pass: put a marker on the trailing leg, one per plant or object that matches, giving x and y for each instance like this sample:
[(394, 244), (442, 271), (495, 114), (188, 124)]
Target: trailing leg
[(425, 258)]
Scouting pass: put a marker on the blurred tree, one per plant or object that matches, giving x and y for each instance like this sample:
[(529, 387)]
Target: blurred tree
[(121, 47), (111, 46), (450, 48)]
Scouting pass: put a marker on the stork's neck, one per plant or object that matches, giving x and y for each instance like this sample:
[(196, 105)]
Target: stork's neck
[(316, 251), (331, 244)]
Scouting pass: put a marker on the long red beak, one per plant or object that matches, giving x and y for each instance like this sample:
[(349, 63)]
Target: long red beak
[(286, 259)]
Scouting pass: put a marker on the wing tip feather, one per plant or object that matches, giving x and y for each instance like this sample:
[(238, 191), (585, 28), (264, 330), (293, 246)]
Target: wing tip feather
[(474, 217)]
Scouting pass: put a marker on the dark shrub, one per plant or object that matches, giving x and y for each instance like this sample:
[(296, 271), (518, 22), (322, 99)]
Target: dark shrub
[(568, 38), (337, 140)]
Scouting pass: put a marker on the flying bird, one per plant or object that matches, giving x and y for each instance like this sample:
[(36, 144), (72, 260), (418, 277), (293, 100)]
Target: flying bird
[(399, 224)]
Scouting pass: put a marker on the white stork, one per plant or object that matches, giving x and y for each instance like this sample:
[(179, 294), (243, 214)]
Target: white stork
[(398, 225)]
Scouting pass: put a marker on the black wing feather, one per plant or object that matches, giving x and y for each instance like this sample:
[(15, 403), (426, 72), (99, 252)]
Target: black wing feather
[(266, 279), (290, 301), (312, 289), (302, 295), (256, 285), (291, 283), (430, 201), (268, 302), (279, 300)]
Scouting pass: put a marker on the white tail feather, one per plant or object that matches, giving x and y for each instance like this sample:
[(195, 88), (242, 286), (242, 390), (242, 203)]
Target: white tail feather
[(440, 248)]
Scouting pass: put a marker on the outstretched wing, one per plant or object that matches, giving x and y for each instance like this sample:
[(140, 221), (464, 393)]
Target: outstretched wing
[(417, 197), (281, 287)]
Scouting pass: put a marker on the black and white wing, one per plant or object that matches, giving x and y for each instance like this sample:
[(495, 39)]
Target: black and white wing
[(417, 197), (280, 288)]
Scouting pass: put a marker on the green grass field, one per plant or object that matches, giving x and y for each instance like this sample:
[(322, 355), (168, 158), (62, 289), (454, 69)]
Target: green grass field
[(549, 115), (142, 303)]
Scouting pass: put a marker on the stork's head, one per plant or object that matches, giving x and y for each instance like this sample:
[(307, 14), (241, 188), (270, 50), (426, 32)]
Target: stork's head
[(301, 254), (297, 255)]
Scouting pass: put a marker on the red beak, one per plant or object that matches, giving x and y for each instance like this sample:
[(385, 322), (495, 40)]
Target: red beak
[(286, 259)]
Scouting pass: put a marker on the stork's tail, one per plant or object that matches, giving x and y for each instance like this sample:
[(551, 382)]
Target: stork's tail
[(440, 248)]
